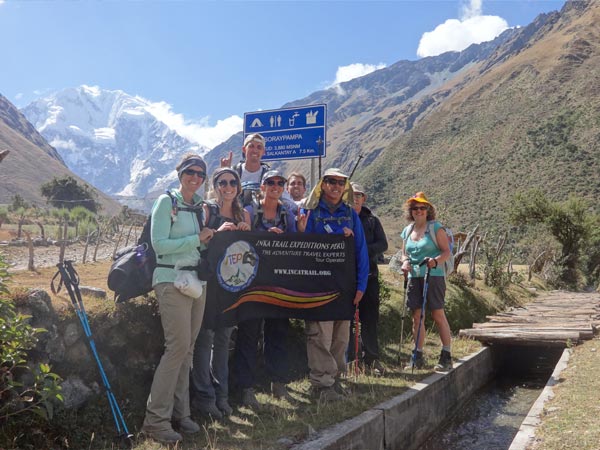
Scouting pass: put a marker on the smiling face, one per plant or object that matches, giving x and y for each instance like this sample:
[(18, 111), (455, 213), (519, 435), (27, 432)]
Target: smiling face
[(333, 188), (227, 187), (272, 188), (296, 188), (192, 178), (419, 211), (254, 151)]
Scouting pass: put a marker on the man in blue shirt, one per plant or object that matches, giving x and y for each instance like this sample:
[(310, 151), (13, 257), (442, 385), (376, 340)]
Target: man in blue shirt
[(329, 210)]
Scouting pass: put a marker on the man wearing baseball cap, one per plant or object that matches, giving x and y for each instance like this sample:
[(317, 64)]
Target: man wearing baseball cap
[(369, 305), (250, 169)]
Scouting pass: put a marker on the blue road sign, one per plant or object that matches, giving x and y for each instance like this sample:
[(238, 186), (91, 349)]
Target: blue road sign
[(290, 133)]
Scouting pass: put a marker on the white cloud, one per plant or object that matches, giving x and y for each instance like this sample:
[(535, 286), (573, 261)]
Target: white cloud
[(18, 96), (197, 131), (458, 34), (351, 71)]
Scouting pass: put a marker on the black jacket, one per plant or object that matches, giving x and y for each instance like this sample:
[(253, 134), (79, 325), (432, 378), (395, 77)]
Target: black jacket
[(375, 237)]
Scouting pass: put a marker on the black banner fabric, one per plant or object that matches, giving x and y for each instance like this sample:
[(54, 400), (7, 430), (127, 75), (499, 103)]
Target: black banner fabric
[(269, 275)]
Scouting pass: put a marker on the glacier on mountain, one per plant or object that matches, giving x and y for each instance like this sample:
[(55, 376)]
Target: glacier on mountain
[(113, 140)]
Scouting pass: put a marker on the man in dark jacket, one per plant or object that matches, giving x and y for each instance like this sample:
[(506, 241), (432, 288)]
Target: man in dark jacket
[(369, 306)]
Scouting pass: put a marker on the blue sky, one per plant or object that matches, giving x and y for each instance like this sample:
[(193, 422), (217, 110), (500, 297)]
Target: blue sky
[(206, 63)]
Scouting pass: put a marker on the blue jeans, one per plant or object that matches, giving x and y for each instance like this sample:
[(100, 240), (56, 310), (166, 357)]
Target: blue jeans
[(209, 379)]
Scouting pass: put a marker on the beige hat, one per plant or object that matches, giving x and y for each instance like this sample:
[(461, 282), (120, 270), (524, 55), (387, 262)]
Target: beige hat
[(254, 137), (357, 188), (315, 195)]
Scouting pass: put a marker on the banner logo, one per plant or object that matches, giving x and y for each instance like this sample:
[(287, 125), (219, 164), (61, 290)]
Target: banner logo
[(238, 266)]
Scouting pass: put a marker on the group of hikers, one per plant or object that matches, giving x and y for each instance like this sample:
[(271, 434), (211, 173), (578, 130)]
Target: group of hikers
[(193, 373)]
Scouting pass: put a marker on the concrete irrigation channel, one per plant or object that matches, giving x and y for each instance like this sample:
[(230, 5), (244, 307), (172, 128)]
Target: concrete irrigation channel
[(440, 403)]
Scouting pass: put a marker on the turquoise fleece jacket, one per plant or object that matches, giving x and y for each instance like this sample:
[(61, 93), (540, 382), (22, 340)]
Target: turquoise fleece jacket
[(175, 242)]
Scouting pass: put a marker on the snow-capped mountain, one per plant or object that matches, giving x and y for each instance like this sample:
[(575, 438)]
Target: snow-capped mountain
[(111, 139)]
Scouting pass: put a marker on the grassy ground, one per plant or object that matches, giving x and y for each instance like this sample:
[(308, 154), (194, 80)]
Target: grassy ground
[(571, 420), (280, 423)]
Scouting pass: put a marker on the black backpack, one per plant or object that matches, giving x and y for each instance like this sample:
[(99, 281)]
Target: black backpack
[(130, 274)]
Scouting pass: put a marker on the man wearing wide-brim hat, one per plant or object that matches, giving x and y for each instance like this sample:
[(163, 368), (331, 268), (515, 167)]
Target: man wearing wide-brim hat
[(329, 211)]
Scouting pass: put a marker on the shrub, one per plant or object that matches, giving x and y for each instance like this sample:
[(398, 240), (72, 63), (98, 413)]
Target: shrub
[(17, 336)]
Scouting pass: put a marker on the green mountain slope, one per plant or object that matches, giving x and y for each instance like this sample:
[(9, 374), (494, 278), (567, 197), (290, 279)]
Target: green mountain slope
[(519, 121)]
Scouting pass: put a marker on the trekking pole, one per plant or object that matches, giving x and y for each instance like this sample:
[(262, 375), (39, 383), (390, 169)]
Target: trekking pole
[(425, 287), (402, 318), (356, 338), (360, 156), (70, 278)]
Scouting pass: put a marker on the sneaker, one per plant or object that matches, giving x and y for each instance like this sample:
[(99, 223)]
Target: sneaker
[(416, 361), (445, 362), (207, 410), (169, 436), (224, 406), (377, 368), (249, 398), (187, 425), (279, 390)]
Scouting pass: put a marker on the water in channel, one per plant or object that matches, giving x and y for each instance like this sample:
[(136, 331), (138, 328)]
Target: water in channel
[(492, 416)]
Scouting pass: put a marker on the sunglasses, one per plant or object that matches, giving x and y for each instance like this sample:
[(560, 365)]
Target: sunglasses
[(419, 208), (333, 181), (273, 183), (223, 183), (192, 172)]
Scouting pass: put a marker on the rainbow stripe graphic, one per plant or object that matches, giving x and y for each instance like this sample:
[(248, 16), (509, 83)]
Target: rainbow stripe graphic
[(286, 298)]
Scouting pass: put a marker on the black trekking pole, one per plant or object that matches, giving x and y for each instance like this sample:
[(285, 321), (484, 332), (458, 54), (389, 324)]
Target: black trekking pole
[(70, 278), (425, 287), (402, 318), (360, 156)]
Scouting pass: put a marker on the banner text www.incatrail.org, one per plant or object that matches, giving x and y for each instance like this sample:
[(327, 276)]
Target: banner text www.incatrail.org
[(305, 272)]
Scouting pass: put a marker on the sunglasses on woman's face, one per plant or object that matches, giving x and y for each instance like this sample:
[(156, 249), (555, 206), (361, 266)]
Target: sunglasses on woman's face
[(418, 208), (280, 183), (192, 172), (223, 183)]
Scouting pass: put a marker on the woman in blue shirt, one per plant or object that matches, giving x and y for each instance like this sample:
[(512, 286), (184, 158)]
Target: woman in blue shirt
[(420, 246)]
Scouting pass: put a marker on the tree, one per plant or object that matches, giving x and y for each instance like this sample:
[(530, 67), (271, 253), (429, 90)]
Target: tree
[(17, 203), (67, 193), (3, 215), (567, 222)]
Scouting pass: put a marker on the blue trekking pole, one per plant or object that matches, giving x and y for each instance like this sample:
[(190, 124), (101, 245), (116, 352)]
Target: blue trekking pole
[(425, 287), (70, 279)]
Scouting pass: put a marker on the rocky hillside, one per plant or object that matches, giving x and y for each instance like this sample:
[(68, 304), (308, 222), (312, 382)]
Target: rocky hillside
[(527, 117), (31, 161)]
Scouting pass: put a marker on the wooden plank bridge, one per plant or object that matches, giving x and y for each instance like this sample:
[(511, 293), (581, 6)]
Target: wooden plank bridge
[(555, 319)]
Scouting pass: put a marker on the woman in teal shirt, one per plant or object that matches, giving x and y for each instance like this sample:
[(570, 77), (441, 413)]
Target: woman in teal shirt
[(419, 246), (177, 236)]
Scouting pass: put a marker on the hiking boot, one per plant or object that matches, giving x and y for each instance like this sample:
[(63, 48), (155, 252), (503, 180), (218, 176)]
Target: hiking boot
[(340, 389), (187, 425), (169, 436), (445, 362), (416, 361), (207, 410), (325, 394), (224, 406), (249, 398), (279, 390)]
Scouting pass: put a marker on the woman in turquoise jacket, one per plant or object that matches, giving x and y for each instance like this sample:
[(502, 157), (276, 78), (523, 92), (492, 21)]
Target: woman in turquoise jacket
[(176, 237)]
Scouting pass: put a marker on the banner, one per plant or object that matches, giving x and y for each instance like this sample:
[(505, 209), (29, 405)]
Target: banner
[(269, 275)]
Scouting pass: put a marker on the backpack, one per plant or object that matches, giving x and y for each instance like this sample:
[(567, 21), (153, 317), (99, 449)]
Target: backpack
[(448, 265), (130, 274), (258, 215), (347, 218)]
